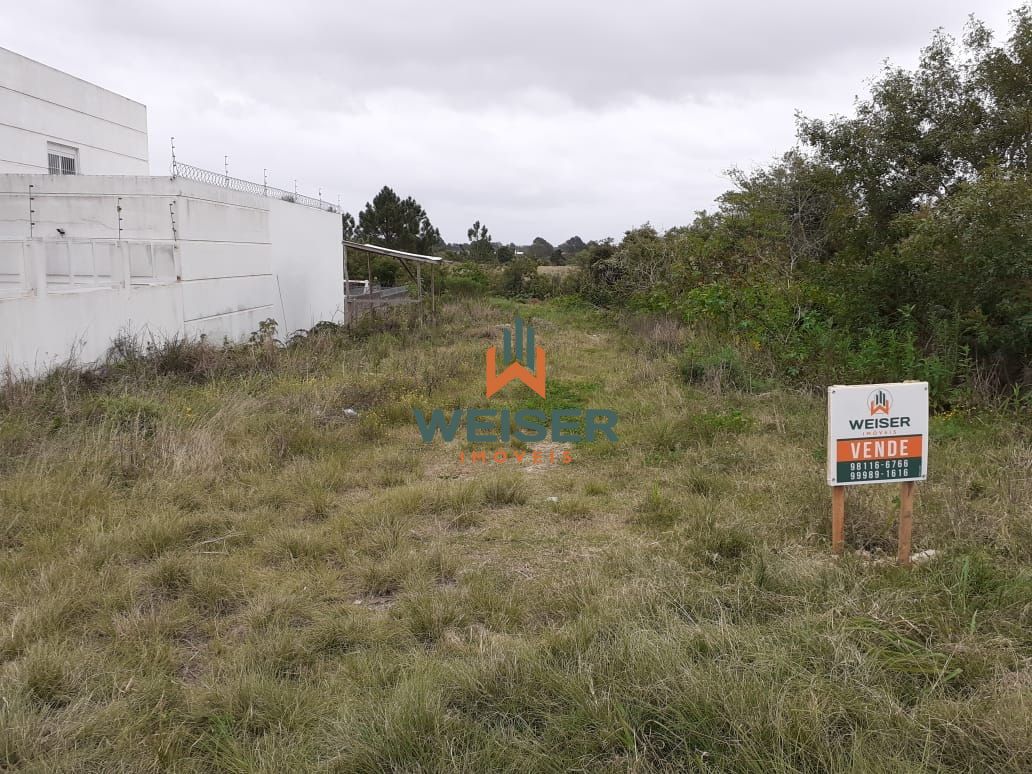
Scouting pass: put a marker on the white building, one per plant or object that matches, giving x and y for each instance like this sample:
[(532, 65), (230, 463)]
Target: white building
[(53, 122), (91, 247)]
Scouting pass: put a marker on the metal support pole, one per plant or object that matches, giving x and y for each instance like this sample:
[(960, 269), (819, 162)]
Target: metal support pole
[(347, 288)]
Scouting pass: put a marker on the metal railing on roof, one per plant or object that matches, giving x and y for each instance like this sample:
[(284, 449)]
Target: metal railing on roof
[(222, 180)]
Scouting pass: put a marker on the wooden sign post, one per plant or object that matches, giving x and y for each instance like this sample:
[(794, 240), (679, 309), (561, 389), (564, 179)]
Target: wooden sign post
[(906, 518), (877, 434), (838, 519)]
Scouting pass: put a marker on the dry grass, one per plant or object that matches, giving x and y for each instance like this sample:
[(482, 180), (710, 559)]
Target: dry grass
[(208, 564)]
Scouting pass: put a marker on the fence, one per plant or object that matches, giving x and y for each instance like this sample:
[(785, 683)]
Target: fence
[(190, 172)]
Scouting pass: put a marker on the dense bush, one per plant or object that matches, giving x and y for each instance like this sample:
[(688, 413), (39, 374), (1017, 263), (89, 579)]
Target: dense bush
[(968, 263), (464, 279), (894, 244)]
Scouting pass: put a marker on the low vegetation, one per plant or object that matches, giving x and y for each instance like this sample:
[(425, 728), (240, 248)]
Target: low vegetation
[(245, 559)]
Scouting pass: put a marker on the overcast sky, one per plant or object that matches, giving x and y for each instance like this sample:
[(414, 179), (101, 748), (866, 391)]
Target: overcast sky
[(537, 118)]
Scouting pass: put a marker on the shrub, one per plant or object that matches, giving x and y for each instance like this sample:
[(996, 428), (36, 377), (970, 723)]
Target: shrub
[(464, 280), (506, 489), (517, 279)]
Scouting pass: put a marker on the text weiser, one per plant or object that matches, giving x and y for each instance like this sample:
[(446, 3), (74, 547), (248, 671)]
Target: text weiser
[(867, 449), (879, 423), (525, 425), (567, 425)]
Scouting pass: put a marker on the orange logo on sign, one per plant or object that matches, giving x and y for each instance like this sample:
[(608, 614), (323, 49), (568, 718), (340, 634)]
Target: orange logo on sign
[(533, 377), (879, 402)]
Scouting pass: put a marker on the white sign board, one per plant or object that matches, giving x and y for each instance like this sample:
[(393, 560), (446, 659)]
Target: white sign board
[(877, 433)]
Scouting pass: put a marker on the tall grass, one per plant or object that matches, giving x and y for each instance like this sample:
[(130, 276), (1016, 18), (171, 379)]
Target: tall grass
[(244, 559)]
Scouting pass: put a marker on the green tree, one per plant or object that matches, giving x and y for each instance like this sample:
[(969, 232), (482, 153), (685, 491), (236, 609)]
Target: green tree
[(793, 212), (518, 276), (965, 269), (480, 248), (895, 243), (572, 246), (348, 226), (401, 224), (924, 132), (540, 249)]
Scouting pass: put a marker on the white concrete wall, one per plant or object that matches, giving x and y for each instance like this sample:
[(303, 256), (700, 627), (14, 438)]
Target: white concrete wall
[(207, 260), (308, 264), (44, 324), (39, 104)]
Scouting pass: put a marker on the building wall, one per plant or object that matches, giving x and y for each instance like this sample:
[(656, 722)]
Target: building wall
[(43, 325), (39, 104), (178, 258), (306, 246)]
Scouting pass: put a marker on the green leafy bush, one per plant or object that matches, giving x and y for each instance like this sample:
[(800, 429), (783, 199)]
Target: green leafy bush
[(892, 244)]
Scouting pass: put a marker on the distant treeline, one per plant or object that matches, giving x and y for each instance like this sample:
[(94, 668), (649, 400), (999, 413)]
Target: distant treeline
[(482, 249)]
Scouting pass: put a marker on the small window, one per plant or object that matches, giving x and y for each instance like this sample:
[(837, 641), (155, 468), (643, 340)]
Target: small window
[(62, 160)]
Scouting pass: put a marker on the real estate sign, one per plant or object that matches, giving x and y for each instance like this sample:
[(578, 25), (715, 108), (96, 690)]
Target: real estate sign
[(877, 433)]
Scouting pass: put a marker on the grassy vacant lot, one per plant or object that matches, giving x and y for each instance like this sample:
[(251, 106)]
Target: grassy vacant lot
[(207, 564)]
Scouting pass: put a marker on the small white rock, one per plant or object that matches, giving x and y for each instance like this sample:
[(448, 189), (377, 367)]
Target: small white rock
[(553, 499), (924, 556), (350, 412)]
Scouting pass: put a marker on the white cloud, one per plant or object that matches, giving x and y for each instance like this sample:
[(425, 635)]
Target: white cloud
[(542, 118)]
